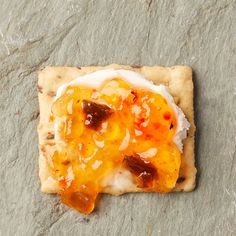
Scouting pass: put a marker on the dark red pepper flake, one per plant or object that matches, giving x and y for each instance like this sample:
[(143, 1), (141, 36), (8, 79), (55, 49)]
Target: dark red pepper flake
[(145, 171), (148, 136), (171, 125), (95, 114), (167, 115), (135, 96)]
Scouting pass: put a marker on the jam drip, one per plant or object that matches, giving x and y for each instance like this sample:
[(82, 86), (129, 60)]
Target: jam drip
[(82, 199)]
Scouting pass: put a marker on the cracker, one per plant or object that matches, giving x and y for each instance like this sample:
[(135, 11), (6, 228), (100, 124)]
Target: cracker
[(177, 78)]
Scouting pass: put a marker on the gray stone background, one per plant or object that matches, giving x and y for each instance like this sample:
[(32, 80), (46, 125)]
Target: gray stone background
[(199, 33)]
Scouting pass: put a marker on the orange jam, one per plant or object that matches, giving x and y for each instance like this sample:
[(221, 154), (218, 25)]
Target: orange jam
[(116, 126)]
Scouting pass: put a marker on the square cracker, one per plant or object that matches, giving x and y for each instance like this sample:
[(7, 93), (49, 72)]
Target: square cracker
[(178, 79)]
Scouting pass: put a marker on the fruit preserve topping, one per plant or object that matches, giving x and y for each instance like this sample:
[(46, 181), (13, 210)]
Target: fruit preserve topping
[(115, 125)]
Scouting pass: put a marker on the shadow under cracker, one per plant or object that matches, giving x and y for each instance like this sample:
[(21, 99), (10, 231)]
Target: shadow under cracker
[(197, 133)]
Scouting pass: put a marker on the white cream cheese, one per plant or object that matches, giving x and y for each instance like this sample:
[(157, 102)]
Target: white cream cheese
[(96, 79), (120, 180)]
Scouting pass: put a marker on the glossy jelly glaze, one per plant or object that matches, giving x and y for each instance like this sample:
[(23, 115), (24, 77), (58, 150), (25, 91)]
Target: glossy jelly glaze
[(114, 125)]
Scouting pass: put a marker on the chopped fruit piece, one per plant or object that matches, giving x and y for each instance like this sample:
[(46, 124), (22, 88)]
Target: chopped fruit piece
[(100, 130), (95, 114), (62, 182), (144, 170)]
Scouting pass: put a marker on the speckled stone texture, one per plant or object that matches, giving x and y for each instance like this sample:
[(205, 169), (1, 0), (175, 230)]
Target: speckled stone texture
[(199, 33)]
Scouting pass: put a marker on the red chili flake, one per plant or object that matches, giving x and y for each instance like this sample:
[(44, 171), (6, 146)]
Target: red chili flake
[(167, 115), (171, 126), (62, 181), (142, 120), (145, 171)]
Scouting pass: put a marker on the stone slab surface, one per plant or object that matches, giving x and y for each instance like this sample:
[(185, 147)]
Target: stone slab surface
[(199, 33)]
